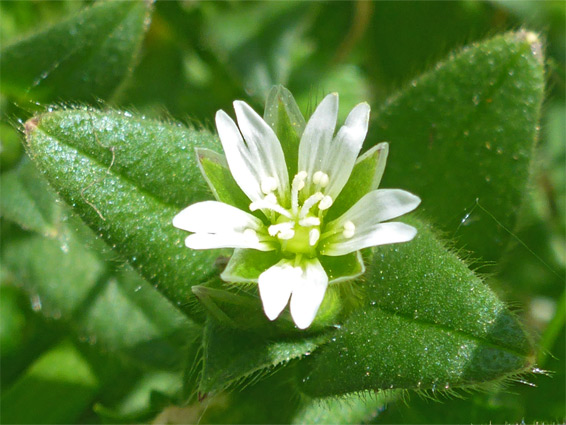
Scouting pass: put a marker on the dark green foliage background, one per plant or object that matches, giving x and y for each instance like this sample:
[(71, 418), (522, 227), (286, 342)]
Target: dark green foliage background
[(98, 323)]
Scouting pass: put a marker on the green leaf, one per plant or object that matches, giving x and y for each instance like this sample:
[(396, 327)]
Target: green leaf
[(259, 48), (350, 409), (231, 357), (463, 134), (54, 390), (27, 199), (428, 323), (67, 279), (127, 178), (82, 58)]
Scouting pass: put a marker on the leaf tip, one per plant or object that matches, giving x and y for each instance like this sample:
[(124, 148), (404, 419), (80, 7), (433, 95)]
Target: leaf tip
[(31, 125), (534, 42)]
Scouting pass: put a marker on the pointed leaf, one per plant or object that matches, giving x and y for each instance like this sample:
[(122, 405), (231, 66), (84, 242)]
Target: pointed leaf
[(84, 57), (428, 323), (127, 178), (465, 132)]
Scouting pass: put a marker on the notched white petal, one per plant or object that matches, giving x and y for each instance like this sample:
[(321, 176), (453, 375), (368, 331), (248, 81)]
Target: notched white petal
[(308, 293), (240, 162), (215, 217), (275, 287), (317, 137), (345, 149), (264, 148), (379, 234)]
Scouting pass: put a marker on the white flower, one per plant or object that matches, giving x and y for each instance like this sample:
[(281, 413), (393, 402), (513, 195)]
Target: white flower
[(294, 210)]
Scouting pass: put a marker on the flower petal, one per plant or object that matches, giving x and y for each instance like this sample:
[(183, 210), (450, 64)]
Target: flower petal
[(377, 206), (226, 240), (364, 217), (345, 149), (215, 217), (308, 293), (378, 234), (264, 147), (242, 165), (317, 137), (219, 225), (275, 287)]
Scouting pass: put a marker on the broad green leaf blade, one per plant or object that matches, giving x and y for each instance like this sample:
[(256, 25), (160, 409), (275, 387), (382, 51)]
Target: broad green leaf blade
[(54, 390), (463, 134), (82, 58), (428, 323), (127, 178), (231, 357)]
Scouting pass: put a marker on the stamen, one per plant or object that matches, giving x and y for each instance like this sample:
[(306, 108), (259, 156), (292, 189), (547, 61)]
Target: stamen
[(271, 198), (349, 229), (266, 205), (325, 203), (251, 235), (309, 203), (286, 234), (268, 185), (309, 221), (281, 227), (314, 235), (296, 186), (320, 178)]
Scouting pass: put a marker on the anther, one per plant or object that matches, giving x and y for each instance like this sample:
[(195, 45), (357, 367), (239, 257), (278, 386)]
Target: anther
[(349, 229), (309, 221), (325, 203), (314, 235), (271, 198), (286, 234), (268, 185), (320, 178), (274, 229)]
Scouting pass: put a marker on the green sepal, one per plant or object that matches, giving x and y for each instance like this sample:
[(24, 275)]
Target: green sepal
[(284, 116), (365, 177), (215, 171), (246, 265), (343, 268)]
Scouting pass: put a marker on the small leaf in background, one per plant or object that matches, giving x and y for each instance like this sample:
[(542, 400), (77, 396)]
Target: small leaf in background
[(82, 58), (462, 137), (428, 323), (127, 178), (54, 390), (27, 200), (260, 49)]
